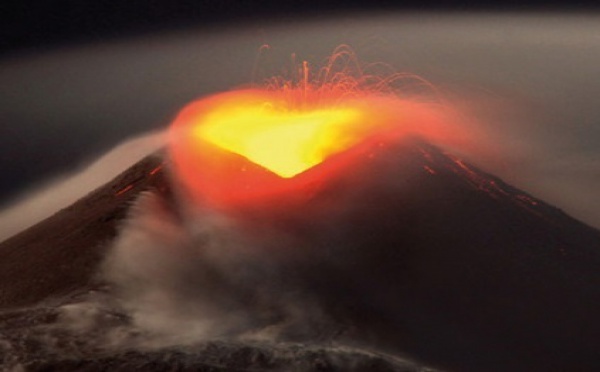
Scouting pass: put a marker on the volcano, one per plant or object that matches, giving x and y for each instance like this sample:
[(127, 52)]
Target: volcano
[(429, 257)]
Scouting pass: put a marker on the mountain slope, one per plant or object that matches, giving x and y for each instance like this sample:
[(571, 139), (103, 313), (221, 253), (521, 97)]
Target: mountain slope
[(456, 267), (412, 251), (61, 253)]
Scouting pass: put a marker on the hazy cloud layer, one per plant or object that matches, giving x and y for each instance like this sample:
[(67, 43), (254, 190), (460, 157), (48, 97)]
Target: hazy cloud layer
[(36, 205), (529, 79)]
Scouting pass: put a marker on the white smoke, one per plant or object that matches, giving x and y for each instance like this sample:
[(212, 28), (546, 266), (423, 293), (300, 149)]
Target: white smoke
[(184, 280)]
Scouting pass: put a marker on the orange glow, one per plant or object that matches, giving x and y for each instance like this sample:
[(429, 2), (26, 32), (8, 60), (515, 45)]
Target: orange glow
[(249, 144), (286, 139)]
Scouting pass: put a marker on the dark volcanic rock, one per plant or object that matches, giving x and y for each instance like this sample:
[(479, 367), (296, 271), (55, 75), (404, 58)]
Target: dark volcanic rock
[(231, 357), (457, 268), (34, 340)]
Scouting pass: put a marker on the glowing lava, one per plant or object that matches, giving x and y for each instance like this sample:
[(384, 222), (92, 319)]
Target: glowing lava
[(255, 145), (284, 142)]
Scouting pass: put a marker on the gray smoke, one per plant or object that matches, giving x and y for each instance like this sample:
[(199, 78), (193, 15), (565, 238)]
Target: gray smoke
[(184, 277)]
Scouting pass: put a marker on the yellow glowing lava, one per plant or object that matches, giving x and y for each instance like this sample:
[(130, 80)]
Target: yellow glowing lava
[(285, 142)]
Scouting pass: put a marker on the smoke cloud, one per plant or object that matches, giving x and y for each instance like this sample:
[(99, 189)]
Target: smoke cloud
[(202, 277), (181, 274)]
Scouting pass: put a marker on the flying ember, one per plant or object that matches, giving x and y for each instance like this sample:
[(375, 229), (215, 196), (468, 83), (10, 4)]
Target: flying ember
[(253, 144)]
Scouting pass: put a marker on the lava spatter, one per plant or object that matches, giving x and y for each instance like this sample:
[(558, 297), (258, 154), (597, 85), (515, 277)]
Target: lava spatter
[(248, 145)]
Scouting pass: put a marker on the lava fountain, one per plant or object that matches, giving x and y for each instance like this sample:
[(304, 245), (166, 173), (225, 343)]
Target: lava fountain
[(288, 135)]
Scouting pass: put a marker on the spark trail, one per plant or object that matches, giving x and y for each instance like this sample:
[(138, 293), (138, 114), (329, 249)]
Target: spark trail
[(249, 145)]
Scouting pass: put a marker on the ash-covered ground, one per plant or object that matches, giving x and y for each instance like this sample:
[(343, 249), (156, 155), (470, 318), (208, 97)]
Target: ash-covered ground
[(88, 337)]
